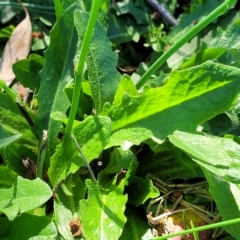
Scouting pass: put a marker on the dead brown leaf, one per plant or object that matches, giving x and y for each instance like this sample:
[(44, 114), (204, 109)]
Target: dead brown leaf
[(17, 48)]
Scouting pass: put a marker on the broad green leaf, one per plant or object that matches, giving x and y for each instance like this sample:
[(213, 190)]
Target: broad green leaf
[(217, 155), (102, 215), (92, 135), (8, 140), (57, 72), (63, 216), (23, 196), (141, 190), (27, 71), (189, 98), (101, 62), (27, 227), (7, 176), (136, 227), (226, 195)]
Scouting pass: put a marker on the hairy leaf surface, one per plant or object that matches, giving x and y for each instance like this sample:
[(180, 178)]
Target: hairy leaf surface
[(189, 97), (58, 71), (101, 62), (219, 155), (102, 215)]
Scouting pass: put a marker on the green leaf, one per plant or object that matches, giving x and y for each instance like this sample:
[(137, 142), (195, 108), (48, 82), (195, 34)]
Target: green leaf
[(27, 71), (8, 140), (122, 29), (6, 32), (101, 62), (197, 11), (201, 57), (218, 155), (200, 42), (57, 72), (130, 136), (224, 192), (67, 203), (161, 166), (92, 135), (141, 190), (119, 160), (71, 192), (7, 176), (11, 118), (13, 155), (28, 227), (63, 217), (102, 215), (227, 39), (23, 196), (126, 85), (189, 97)]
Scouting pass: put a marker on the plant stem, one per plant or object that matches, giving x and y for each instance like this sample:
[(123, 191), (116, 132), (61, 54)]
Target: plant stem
[(198, 229), (84, 159), (187, 37), (58, 8), (82, 57)]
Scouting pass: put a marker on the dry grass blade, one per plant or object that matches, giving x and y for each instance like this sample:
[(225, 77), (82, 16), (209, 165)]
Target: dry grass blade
[(17, 47)]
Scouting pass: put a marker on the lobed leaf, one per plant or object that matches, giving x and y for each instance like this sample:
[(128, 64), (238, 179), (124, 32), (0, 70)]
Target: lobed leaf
[(190, 97), (102, 215), (23, 196)]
